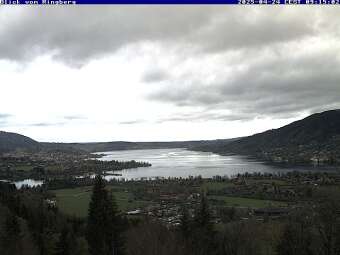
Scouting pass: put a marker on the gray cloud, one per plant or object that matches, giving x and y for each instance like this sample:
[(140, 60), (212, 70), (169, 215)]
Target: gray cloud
[(47, 124), (131, 122), (76, 35), (4, 119), (205, 116), (74, 117), (66, 120), (4, 116), (257, 29), (155, 76), (264, 62), (278, 87)]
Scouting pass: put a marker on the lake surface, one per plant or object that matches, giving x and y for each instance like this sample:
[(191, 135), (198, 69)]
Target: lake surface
[(28, 182), (185, 163)]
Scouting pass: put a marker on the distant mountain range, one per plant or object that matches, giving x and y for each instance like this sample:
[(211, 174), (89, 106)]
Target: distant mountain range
[(313, 139), (121, 145), (10, 142)]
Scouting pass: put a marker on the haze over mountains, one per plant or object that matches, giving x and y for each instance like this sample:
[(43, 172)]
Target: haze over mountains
[(313, 139)]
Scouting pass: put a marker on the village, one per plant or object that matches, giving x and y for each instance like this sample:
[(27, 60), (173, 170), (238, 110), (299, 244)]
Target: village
[(44, 165), (256, 196), (250, 196)]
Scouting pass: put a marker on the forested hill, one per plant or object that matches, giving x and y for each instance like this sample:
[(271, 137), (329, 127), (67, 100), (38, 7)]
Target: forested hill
[(13, 141), (121, 145), (10, 142), (313, 139)]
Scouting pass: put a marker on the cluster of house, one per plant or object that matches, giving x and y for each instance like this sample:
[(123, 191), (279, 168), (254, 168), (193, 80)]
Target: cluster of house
[(168, 207)]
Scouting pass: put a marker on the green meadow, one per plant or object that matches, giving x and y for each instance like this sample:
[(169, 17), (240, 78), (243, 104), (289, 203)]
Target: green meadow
[(75, 201)]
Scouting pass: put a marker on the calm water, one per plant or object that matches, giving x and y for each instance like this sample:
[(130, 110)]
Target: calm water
[(26, 182), (184, 163)]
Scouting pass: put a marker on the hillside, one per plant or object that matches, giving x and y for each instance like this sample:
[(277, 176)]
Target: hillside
[(313, 139), (121, 145), (13, 141)]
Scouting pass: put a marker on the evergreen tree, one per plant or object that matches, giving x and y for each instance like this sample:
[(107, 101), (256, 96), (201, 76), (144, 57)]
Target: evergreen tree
[(297, 237), (203, 236), (202, 215), (66, 242), (328, 225), (103, 232), (12, 234), (185, 226)]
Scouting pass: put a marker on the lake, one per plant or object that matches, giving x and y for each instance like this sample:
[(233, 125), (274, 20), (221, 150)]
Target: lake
[(26, 182), (185, 163)]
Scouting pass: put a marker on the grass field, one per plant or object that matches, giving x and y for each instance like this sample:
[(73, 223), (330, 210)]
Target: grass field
[(247, 202), (23, 168), (277, 182), (208, 185), (76, 201)]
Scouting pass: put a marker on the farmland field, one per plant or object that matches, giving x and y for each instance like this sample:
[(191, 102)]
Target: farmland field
[(76, 201), (246, 202)]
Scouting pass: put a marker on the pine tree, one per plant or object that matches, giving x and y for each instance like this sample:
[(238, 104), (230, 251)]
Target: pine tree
[(103, 232), (12, 234), (185, 226), (203, 234), (297, 238), (202, 215), (65, 242)]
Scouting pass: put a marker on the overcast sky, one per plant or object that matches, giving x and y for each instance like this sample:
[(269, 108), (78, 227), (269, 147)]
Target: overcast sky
[(147, 73)]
